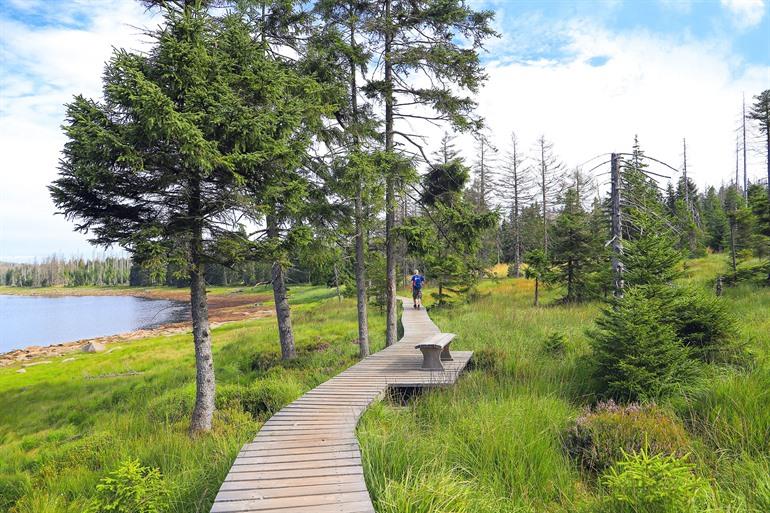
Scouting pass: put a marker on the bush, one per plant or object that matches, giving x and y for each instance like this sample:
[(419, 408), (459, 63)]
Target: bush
[(641, 483), (555, 344), (601, 436), (260, 399), (638, 354), (703, 323), (131, 488), (489, 359)]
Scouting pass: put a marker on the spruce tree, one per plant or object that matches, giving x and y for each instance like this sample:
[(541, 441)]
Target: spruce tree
[(178, 149), (575, 249), (714, 220), (414, 40)]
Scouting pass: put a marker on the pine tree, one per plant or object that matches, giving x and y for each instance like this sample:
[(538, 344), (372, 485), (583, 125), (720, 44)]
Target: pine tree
[(422, 39), (575, 249), (714, 220), (178, 148)]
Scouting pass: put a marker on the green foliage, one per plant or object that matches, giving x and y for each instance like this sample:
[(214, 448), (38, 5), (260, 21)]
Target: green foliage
[(576, 249), (638, 355), (261, 398), (654, 483), (602, 435), (427, 492), (555, 344), (489, 359), (131, 488)]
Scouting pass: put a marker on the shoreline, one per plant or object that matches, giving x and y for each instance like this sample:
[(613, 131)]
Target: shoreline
[(223, 308)]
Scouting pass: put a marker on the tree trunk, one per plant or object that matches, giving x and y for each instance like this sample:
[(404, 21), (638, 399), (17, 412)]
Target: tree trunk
[(537, 291), (360, 270), (205, 384), (391, 332), (282, 310), (361, 298), (732, 247)]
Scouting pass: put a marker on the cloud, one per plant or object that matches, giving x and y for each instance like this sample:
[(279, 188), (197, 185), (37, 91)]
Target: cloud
[(745, 13), (660, 88), (44, 65)]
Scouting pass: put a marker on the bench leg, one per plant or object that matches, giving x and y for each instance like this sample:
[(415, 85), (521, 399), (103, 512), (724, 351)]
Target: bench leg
[(431, 358), (446, 356)]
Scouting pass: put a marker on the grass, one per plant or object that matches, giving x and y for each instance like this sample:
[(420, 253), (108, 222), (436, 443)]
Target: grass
[(491, 443), (66, 424), (498, 432)]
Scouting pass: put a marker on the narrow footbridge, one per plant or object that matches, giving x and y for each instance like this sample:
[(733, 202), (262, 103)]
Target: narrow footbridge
[(306, 458)]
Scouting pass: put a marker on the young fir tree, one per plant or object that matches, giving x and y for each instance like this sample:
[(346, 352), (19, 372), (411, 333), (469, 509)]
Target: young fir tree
[(538, 269), (741, 224), (429, 53), (714, 220), (162, 165), (575, 249)]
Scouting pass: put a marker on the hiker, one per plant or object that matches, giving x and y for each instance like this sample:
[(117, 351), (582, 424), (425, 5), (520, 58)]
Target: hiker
[(417, 282)]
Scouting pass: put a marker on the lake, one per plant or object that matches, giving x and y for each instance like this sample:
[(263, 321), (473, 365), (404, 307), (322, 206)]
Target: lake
[(39, 320)]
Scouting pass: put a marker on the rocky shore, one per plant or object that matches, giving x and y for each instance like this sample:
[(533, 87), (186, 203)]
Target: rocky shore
[(223, 308)]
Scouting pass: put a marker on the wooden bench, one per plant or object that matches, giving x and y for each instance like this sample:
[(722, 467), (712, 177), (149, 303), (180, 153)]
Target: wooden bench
[(436, 350)]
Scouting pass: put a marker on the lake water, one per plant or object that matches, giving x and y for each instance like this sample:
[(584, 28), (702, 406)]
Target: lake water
[(39, 321)]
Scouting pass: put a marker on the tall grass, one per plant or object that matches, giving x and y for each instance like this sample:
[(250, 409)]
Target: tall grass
[(65, 424), (499, 430)]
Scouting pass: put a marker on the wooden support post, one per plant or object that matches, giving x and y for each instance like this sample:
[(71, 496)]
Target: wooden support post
[(617, 235)]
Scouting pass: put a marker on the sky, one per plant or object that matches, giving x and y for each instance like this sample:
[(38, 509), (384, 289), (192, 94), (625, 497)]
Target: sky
[(588, 75)]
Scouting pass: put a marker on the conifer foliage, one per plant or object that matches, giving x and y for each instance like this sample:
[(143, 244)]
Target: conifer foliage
[(190, 136)]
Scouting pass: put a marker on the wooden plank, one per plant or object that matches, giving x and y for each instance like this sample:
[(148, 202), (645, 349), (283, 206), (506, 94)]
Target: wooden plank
[(306, 458)]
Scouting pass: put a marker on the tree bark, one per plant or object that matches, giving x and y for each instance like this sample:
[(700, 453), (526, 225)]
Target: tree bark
[(537, 290), (391, 332), (360, 271), (205, 384), (361, 297), (282, 309)]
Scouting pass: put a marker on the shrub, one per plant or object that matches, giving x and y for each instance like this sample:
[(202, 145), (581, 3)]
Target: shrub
[(131, 488), (261, 398), (489, 359), (602, 435), (703, 323), (644, 483), (555, 344), (638, 354)]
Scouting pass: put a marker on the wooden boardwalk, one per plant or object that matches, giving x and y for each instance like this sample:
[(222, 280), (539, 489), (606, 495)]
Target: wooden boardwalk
[(306, 459)]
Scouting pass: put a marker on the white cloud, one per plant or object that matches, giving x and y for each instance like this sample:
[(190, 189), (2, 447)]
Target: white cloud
[(661, 89), (746, 13), (43, 67)]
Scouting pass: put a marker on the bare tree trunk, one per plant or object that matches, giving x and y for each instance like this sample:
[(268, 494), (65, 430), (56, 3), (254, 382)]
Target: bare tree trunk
[(745, 172), (537, 291), (205, 384), (361, 303), (282, 310), (391, 332), (732, 246), (545, 218)]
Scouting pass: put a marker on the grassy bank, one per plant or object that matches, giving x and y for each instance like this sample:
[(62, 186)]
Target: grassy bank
[(494, 442), (64, 425)]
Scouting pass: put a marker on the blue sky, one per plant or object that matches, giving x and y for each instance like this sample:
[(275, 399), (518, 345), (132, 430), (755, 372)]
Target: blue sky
[(588, 75)]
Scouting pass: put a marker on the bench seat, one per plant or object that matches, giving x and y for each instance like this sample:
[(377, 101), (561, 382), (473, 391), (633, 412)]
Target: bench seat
[(436, 350)]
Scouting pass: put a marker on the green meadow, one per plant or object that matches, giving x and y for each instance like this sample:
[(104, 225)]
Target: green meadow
[(494, 442)]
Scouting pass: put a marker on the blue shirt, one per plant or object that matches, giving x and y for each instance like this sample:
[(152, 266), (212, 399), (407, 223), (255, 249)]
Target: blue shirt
[(417, 281)]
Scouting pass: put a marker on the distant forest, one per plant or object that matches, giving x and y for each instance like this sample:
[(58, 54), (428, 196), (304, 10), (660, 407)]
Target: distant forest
[(55, 271)]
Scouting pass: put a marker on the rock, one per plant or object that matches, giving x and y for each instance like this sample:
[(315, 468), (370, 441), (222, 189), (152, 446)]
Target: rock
[(21, 371), (93, 347)]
